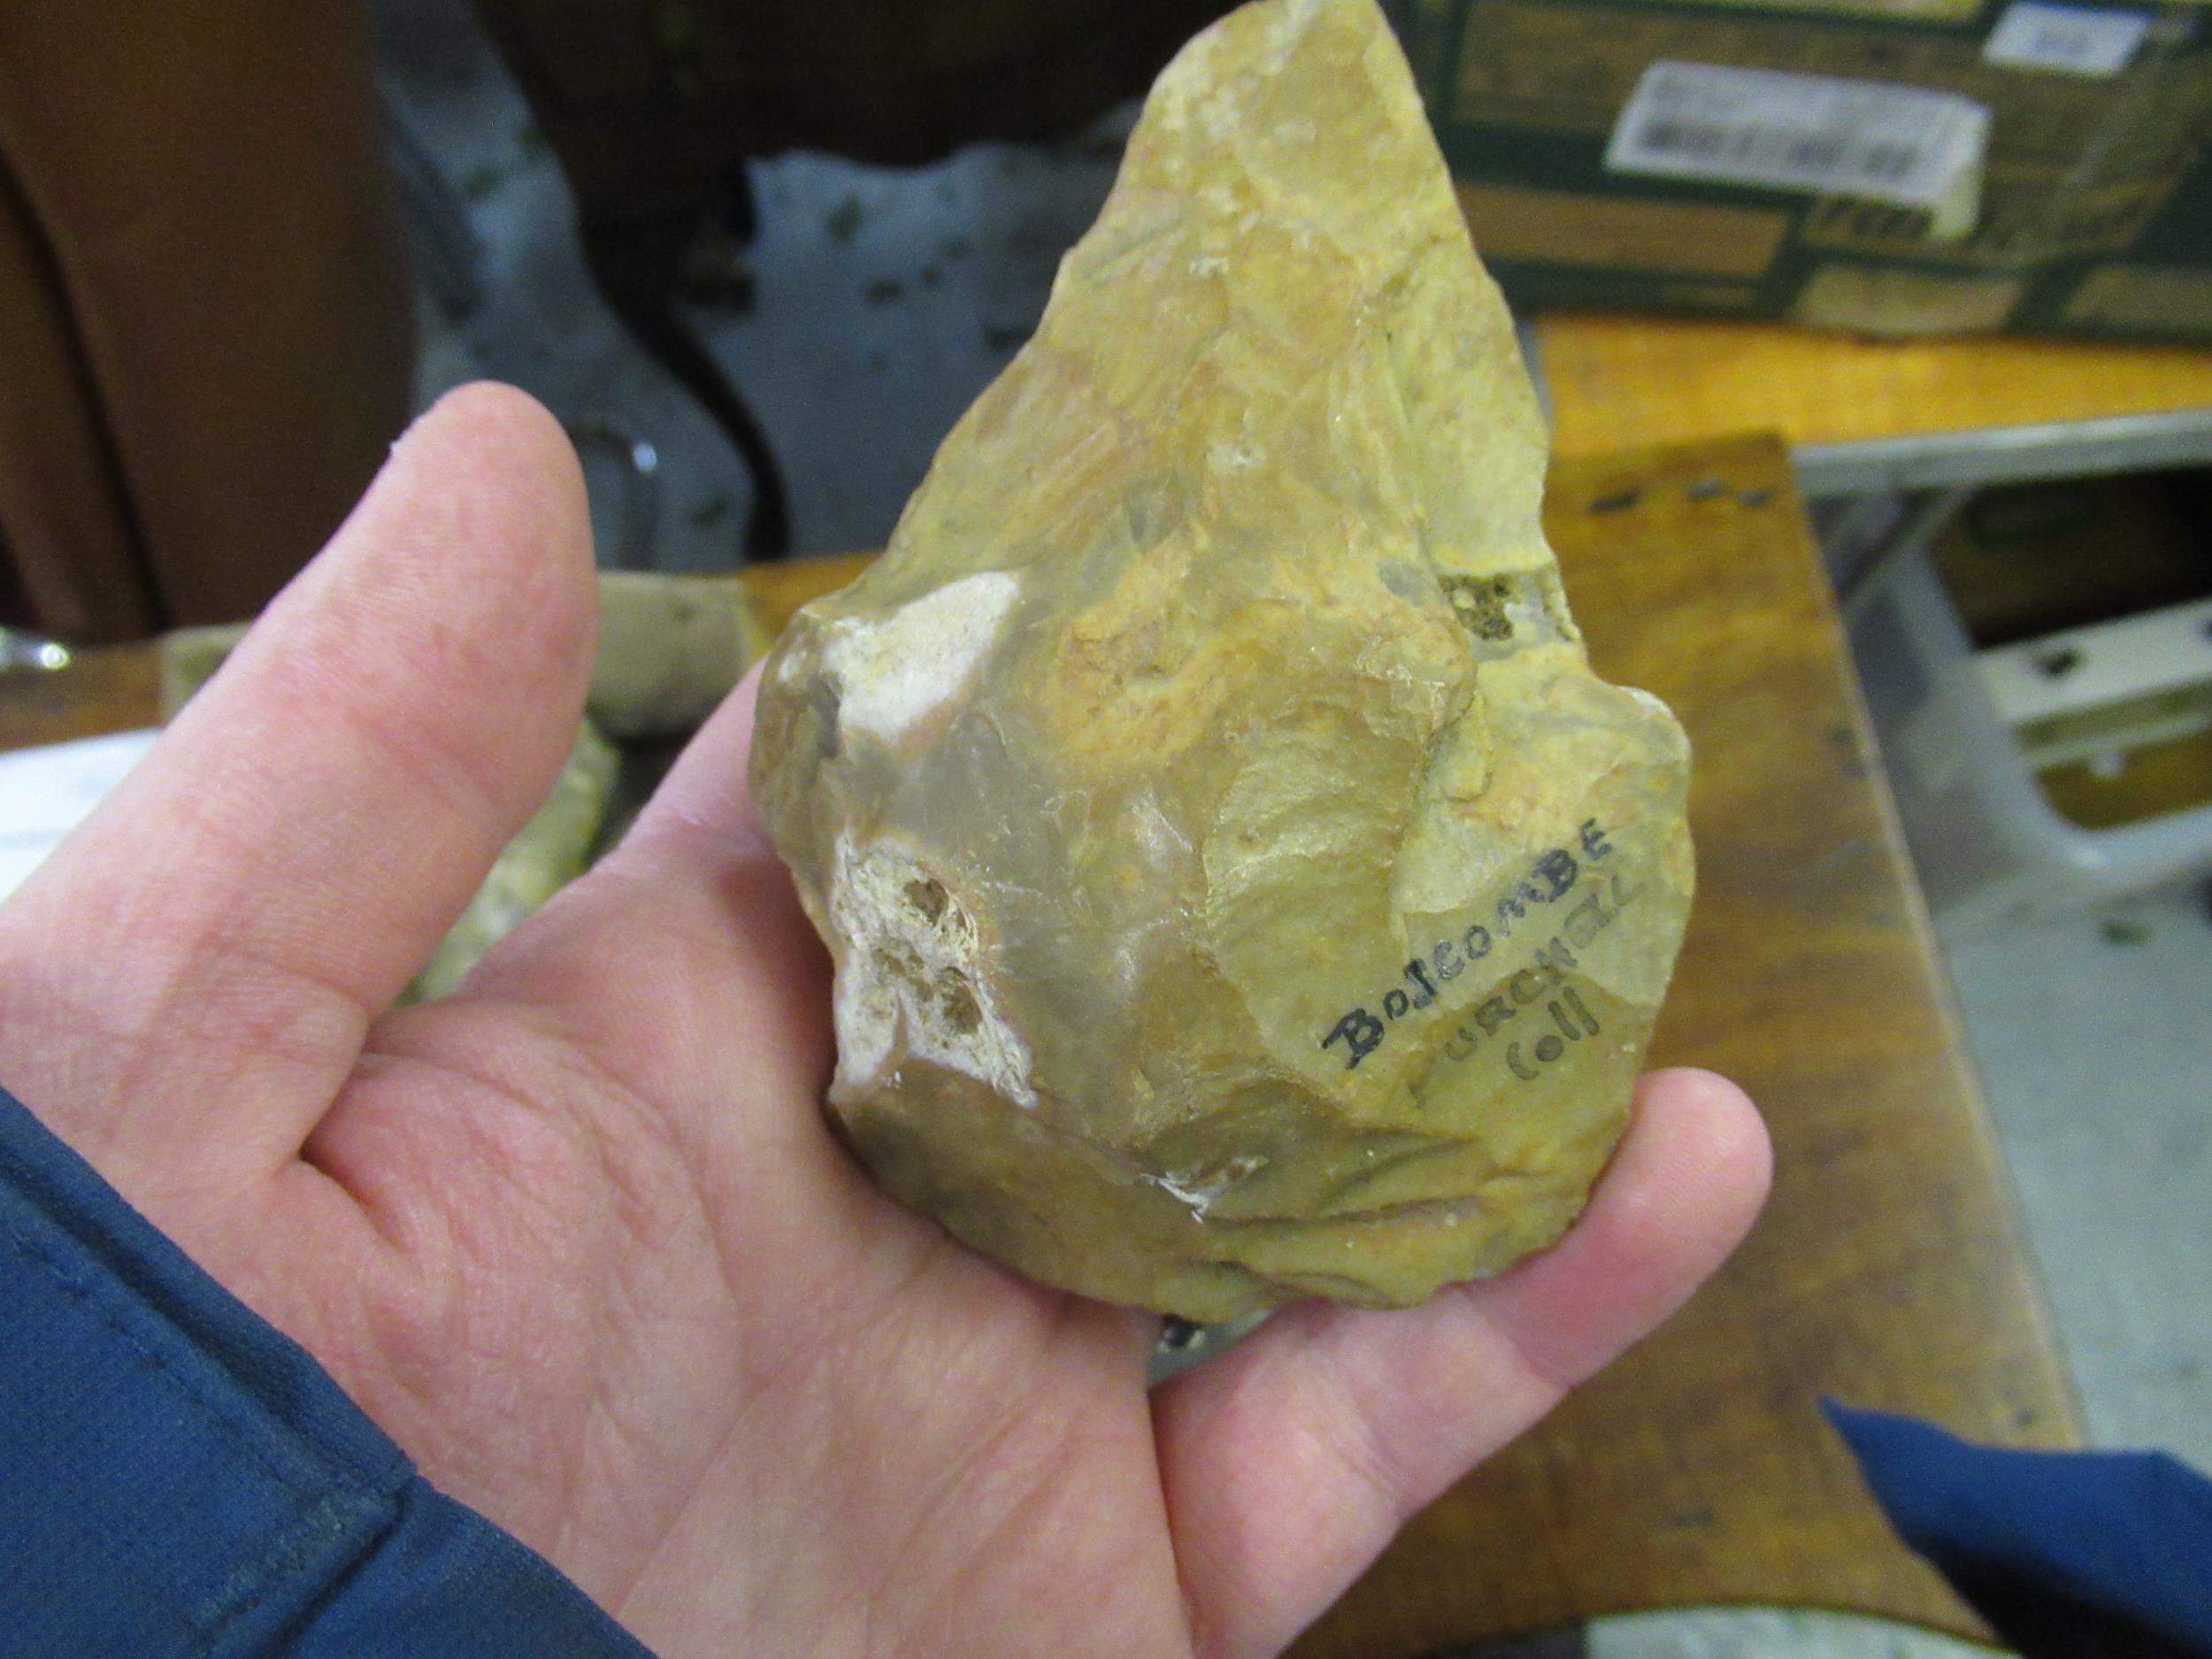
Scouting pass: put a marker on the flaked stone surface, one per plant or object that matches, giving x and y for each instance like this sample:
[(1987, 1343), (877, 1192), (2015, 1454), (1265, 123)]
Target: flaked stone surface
[(1240, 888)]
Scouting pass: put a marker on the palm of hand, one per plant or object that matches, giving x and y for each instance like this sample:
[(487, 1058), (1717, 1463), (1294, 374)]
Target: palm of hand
[(755, 1391), (578, 1239)]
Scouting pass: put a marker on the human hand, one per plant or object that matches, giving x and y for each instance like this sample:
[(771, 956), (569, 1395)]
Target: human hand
[(577, 1237)]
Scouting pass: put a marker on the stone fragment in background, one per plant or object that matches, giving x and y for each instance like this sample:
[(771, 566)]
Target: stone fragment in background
[(546, 854), (670, 647), (1240, 886)]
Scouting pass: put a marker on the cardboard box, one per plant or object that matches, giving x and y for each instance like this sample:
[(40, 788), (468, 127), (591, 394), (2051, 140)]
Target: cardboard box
[(1884, 166)]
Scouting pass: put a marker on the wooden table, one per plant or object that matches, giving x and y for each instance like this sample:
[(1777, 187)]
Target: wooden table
[(1889, 1270), (115, 688), (1619, 381)]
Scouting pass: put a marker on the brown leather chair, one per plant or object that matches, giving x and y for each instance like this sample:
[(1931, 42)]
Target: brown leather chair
[(206, 317)]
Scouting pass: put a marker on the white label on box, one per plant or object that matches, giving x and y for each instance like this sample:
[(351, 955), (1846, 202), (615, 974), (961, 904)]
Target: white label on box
[(1761, 126), (2074, 40)]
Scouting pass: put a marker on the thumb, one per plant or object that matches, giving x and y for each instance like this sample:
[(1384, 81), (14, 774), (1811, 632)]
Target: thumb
[(187, 981)]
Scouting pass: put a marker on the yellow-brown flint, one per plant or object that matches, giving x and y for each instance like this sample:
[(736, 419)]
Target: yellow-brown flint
[(1240, 886)]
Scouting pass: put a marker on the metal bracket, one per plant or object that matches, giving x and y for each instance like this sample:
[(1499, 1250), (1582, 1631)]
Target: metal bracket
[(2006, 455)]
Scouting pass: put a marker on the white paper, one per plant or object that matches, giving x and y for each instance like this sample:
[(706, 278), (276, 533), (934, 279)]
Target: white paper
[(1872, 138), (45, 792), (2073, 40)]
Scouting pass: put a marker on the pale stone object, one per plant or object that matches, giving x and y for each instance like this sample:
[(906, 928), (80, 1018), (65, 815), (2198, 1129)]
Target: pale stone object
[(1240, 886), (546, 854), (670, 647)]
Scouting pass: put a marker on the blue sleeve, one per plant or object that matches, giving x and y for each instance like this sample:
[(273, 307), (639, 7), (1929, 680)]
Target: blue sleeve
[(2065, 1553), (177, 1478)]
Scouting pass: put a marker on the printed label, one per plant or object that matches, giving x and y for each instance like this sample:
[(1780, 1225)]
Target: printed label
[(2073, 40), (1759, 127)]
